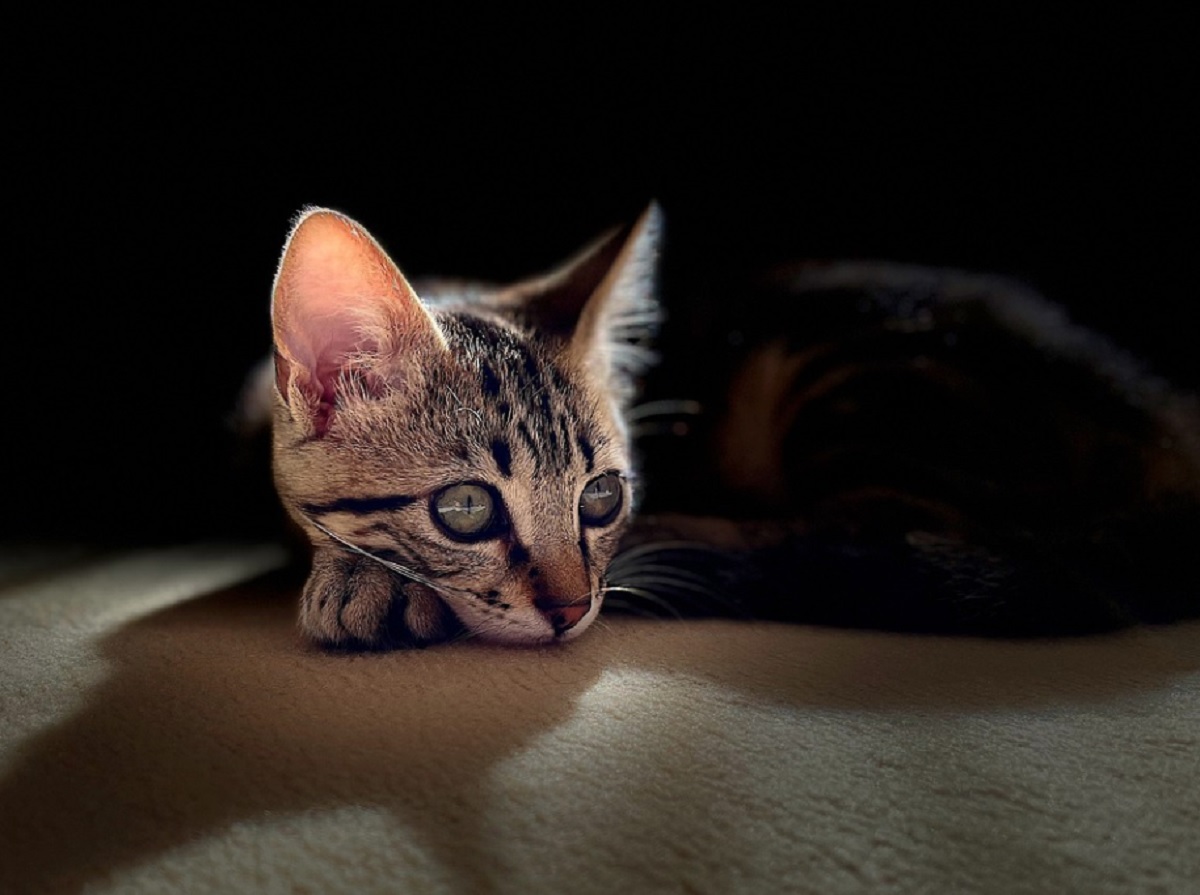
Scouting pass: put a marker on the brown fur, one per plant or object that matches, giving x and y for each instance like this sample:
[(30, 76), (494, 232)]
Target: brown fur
[(383, 393)]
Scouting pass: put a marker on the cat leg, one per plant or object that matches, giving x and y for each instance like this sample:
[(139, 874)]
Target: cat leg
[(353, 602)]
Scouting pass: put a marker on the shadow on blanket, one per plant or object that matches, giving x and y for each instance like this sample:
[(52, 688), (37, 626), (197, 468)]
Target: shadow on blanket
[(213, 711)]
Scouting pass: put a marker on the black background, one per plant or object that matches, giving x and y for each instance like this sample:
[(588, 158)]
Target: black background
[(154, 166)]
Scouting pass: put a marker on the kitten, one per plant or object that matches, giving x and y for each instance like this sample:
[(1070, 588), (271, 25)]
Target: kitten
[(459, 460), (858, 444)]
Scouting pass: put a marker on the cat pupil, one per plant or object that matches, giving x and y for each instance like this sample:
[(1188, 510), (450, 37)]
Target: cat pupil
[(465, 509)]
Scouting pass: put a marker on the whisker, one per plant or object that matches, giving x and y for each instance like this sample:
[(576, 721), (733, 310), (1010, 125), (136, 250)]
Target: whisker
[(662, 570), (463, 408), (462, 635), (691, 575), (643, 594), (403, 571), (683, 592)]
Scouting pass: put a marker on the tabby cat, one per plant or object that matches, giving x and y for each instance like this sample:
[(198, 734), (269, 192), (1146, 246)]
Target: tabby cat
[(854, 443)]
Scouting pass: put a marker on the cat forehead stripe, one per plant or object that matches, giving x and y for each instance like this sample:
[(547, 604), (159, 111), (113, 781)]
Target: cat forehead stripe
[(502, 454), (589, 453), (536, 409), (359, 505)]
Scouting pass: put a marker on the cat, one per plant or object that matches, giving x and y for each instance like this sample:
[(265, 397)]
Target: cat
[(850, 443)]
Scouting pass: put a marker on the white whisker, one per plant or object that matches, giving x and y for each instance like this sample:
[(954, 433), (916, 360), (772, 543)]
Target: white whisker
[(403, 571), (645, 595), (463, 407)]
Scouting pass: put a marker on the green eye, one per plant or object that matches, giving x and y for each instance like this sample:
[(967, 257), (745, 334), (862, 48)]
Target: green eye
[(466, 511), (601, 499)]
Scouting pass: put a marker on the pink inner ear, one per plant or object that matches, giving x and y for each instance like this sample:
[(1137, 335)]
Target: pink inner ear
[(326, 342), (340, 306)]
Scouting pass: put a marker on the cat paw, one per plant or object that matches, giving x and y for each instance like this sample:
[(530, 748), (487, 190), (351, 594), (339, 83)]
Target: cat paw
[(351, 602)]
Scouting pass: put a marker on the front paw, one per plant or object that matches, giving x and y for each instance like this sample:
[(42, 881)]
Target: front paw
[(353, 602)]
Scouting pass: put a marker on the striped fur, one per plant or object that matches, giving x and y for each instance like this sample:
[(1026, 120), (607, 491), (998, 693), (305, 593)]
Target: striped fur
[(383, 398)]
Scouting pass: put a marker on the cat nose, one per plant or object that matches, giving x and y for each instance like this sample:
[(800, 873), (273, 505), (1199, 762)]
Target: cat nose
[(563, 616)]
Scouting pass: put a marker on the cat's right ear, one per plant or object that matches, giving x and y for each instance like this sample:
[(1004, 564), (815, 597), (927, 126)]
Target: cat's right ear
[(343, 317)]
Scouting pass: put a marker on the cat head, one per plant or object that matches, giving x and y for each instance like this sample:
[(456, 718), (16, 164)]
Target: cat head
[(466, 444)]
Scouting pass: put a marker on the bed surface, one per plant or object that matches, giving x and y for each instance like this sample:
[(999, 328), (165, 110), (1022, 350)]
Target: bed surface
[(165, 730)]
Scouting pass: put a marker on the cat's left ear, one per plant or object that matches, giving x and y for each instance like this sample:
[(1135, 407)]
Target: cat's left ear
[(601, 304)]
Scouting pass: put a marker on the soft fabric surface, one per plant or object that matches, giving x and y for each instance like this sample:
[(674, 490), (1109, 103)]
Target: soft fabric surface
[(164, 730)]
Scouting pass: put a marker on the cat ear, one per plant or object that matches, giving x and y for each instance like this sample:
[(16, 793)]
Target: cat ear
[(342, 315), (619, 320), (601, 303)]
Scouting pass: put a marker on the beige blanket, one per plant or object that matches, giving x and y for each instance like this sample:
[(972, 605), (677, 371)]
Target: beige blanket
[(164, 730)]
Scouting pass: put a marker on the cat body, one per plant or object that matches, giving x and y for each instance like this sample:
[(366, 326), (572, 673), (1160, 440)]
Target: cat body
[(857, 444), (922, 449)]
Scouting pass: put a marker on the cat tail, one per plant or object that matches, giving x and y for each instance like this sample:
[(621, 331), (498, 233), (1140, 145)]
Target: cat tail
[(1014, 587)]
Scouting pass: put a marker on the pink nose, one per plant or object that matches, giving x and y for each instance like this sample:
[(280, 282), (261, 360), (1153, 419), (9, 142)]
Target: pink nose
[(564, 616)]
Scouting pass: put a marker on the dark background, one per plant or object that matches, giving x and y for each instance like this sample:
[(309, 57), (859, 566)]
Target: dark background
[(152, 180)]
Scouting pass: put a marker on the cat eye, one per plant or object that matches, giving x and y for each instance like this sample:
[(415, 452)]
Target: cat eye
[(601, 499), (466, 511)]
